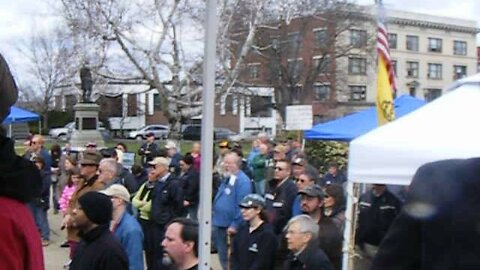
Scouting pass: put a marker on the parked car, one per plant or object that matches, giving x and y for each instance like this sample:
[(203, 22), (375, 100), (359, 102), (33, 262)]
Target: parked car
[(65, 132), (194, 133), (223, 133), (62, 133), (160, 131), (247, 135)]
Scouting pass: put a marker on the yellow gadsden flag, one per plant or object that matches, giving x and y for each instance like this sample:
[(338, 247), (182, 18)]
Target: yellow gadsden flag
[(384, 100)]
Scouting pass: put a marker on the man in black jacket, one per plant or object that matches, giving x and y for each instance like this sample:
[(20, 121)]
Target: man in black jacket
[(99, 249), (438, 228), (167, 204), (378, 208), (148, 150), (280, 194)]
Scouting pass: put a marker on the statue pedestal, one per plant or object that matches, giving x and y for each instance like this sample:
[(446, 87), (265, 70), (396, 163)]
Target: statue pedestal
[(86, 126)]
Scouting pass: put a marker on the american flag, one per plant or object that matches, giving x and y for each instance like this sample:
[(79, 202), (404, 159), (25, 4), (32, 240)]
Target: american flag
[(384, 51)]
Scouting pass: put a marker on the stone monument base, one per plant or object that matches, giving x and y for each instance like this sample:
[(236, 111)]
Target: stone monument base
[(86, 126)]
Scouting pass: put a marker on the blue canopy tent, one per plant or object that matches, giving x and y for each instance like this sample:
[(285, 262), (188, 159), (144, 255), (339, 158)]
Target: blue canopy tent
[(359, 123), (18, 115)]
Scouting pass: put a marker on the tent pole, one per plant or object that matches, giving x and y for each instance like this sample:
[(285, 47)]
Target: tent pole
[(39, 126), (10, 130), (350, 221)]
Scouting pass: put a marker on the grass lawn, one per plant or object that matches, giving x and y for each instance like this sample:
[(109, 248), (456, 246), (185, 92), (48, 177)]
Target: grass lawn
[(132, 146)]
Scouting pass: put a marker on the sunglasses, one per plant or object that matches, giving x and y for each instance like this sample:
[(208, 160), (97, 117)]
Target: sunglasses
[(279, 169)]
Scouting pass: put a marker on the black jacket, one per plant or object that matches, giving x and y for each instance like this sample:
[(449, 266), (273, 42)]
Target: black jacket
[(279, 203), (151, 148), (191, 186), (99, 250), (311, 258), (438, 228), (376, 216), (167, 200), (256, 250)]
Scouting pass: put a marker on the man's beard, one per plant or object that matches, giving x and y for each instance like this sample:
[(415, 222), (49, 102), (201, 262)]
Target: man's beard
[(167, 260)]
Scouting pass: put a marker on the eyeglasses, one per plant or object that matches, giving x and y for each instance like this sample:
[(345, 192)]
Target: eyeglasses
[(294, 232), (279, 169), (302, 180)]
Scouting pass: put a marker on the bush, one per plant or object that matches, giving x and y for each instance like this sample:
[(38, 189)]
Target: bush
[(320, 153)]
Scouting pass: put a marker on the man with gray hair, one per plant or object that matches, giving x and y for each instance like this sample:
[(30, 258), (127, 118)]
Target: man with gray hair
[(107, 171), (226, 210), (301, 233)]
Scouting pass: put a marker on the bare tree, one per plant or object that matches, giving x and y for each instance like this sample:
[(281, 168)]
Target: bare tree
[(159, 43), (295, 66), (49, 56)]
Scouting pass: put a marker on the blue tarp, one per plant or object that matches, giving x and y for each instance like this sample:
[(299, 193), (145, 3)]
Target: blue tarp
[(359, 123), (18, 115)]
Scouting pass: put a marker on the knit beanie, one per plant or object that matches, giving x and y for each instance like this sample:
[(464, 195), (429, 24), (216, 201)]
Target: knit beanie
[(8, 89), (97, 207)]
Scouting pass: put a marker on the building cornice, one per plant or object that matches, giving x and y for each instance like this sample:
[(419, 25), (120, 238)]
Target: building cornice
[(433, 25)]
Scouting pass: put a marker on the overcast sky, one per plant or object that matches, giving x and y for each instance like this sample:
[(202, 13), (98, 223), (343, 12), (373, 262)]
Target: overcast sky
[(19, 18)]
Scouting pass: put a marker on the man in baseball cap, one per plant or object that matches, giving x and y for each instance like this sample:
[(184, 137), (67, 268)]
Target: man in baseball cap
[(125, 227), (98, 249)]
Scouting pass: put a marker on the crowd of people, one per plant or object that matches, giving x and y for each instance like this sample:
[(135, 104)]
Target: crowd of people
[(258, 201), (271, 208)]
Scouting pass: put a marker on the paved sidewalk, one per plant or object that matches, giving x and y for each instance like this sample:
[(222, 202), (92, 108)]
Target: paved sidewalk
[(55, 256)]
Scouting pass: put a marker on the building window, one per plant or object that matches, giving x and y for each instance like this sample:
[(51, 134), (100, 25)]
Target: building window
[(358, 38), (132, 109), (70, 101), (392, 41), (294, 43), (295, 68), (412, 43), (318, 118), (434, 45), (432, 93), (321, 64), (321, 91), (260, 106), (357, 92), (254, 71), (157, 103), (412, 69), (459, 72), (357, 66), (321, 38), (394, 65), (459, 47), (434, 71)]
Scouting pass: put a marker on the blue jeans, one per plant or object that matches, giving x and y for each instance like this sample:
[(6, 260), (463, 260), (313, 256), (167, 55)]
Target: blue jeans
[(220, 238), (260, 187), (40, 216)]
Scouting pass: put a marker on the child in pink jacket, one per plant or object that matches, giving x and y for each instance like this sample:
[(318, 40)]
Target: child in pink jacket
[(72, 184)]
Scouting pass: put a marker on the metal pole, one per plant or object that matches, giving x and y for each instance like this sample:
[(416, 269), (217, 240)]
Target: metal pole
[(347, 234), (207, 136)]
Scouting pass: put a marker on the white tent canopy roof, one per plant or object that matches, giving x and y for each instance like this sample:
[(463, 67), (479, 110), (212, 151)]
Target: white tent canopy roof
[(448, 127)]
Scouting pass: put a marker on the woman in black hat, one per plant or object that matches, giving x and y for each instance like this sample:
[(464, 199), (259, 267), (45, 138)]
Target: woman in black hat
[(255, 244)]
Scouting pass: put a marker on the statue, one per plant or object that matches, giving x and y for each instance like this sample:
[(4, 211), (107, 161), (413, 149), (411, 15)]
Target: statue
[(87, 83)]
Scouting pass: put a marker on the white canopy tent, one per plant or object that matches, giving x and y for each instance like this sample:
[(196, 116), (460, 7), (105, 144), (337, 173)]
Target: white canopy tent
[(445, 128)]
